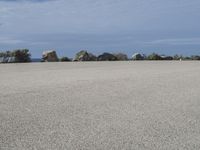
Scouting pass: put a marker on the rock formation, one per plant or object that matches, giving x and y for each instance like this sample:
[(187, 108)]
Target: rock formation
[(85, 56), (50, 56), (106, 57), (121, 56)]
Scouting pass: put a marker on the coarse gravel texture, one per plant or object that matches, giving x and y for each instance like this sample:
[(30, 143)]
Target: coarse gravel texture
[(145, 105)]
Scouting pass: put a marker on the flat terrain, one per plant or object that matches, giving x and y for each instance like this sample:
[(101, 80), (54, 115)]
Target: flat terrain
[(100, 105)]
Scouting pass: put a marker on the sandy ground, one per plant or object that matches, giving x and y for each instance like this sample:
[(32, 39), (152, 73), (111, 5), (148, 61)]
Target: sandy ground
[(100, 106)]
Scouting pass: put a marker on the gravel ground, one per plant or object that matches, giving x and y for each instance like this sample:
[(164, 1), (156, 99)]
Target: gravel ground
[(100, 106)]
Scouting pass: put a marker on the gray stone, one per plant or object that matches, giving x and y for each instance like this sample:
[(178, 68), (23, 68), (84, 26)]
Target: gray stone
[(121, 56), (50, 56), (85, 56), (138, 56), (107, 57)]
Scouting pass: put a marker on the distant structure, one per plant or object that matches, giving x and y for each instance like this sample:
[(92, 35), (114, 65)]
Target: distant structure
[(49, 56)]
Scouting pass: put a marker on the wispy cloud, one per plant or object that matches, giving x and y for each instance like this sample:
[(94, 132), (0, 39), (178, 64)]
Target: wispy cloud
[(26, 0), (177, 41), (108, 24), (7, 40)]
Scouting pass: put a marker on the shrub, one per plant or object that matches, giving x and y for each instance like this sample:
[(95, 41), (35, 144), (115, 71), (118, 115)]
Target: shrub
[(195, 57), (62, 59), (154, 56), (21, 55), (178, 57), (121, 56)]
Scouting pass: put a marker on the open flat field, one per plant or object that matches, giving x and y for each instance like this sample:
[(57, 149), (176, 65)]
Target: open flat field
[(100, 105)]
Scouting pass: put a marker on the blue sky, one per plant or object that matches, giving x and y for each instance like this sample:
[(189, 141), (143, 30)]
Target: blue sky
[(129, 26)]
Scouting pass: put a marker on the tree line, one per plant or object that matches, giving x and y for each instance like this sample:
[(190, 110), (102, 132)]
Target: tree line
[(24, 55)]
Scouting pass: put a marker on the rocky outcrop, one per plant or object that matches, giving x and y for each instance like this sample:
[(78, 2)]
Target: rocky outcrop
[(50, 56), (121, 56), (154, 56), (107, 57), (166, 57), (138, 56), (85, 56)]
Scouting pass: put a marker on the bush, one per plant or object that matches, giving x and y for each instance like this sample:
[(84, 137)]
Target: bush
[(121, 56), (178, 57), (63, 59), (19, 55), (195, 57), (154, 56)]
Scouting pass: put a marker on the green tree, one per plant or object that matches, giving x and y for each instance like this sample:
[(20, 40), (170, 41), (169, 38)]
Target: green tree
[(21, 55)]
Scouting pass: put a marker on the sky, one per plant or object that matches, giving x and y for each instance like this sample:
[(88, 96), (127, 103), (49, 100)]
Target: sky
[(68, 26)]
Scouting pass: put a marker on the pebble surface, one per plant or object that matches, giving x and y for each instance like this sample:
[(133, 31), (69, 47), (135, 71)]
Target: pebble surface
[(100, 106)]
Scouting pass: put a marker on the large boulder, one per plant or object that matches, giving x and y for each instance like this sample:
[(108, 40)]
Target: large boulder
[(167, 57), (154, 56), (85, 56), (138, 56), (121, 56), (49, 56), (195, 57), (106, 57)]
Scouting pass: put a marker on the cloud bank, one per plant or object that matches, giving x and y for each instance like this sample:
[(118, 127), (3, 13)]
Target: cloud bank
[(69, 25)]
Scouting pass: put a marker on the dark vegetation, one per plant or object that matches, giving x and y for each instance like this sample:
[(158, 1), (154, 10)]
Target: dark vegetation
[(15, 56), (23, 55), (63, 59)]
